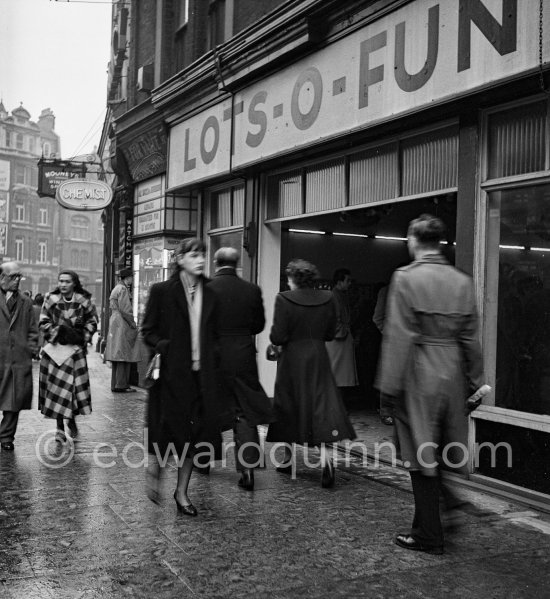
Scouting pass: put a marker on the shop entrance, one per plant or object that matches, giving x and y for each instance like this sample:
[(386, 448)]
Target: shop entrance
[(371, 243)]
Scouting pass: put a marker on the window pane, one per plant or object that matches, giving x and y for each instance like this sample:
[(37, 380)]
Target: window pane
[(516, 141), (284, 194), (325, 186), (519, 234), (238, 206), (374, 175), (221, 209)]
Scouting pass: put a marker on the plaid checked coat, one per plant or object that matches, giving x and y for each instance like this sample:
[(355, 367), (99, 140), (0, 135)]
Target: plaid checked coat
[(64, 389)]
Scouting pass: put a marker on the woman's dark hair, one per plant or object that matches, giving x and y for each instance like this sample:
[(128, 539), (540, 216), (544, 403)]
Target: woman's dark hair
[(193, 244), (303, 273), (428, 230), (38, 299), (77, 284)]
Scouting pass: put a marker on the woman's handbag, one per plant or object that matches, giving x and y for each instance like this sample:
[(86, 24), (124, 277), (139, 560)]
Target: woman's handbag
[(153, 369), (273, 352)]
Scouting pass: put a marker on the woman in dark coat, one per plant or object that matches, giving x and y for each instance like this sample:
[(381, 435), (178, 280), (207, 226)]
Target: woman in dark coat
[(68, 321), (185, 403), (308, 406)]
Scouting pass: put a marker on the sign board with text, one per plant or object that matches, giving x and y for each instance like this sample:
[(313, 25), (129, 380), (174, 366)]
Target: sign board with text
[(423, 53)]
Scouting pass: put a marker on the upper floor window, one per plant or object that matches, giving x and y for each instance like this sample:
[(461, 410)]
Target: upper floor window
[(19, 249), (26, 175), (80, 228), (84, 259), (216, 23), (42, 252), (43, 216), (31, 144), (46, 149), (19, 141), (74, 258), (19, 213)]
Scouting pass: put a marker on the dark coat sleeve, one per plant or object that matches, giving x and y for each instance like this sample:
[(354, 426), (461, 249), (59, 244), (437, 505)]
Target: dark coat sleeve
[(258, 316), (151, 322), (280, 333)]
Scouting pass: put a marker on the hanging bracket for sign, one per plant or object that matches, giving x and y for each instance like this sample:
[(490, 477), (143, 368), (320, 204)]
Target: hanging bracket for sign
[(84, 194)]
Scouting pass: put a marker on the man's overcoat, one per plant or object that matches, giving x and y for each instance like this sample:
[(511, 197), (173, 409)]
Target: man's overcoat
[(431, 358), (18, 341), (241, 317), (177, 413), (121, 340)]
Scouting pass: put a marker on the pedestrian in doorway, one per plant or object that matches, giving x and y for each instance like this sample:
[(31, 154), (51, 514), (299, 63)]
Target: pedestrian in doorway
[(341, 349), (241, 312), (18, 344), (185, 404), (431, 361), (68, 321), (308, 405), (122, 349)]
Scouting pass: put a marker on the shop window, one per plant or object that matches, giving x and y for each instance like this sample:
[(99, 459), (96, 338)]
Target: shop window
[(181, 213), (80, 228), (518, 297), (227, 208), (284, 194), (326, 186), (429, 162), (516, 140), (374, 175)]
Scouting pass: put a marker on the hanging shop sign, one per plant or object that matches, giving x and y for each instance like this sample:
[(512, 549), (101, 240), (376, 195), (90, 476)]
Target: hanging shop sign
[(424, 53), (146, 154), (84, 194), (51, 173)]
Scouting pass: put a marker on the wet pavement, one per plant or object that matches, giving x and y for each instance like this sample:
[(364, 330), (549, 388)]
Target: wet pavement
[(81, 526)]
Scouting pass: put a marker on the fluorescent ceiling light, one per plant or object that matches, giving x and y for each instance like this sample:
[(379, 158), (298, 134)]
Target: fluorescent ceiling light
[(306, 231), (390, 238)]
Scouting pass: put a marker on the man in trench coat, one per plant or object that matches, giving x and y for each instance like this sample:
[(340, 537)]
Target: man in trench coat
[(18, 344), (431, 362), (241, 313), (121, 349)]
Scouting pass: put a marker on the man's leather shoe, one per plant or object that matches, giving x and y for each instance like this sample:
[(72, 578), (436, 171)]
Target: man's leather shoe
[(247, 480), (409, 542), (7, 446), (73, 429)]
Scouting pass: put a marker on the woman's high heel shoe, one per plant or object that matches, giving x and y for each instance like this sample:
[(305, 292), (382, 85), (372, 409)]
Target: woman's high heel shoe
[(188, 510), (328, 478)]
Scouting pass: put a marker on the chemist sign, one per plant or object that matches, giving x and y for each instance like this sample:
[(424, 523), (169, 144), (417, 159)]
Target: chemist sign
[(84, 194)]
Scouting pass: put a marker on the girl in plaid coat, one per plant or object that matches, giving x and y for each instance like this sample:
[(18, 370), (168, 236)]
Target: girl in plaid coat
[(68, 321)]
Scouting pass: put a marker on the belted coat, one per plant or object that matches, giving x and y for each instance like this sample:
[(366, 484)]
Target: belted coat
[(180, 411), (241, 317), (122, 337), (431, 360), (18, 342)]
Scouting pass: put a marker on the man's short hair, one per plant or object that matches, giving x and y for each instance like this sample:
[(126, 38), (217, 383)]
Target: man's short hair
[(428, 230), (340, 274), (226, 256)]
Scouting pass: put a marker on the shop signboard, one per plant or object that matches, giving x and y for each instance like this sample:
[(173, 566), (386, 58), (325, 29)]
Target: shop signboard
[(84, 194), (3, 206), (149, 223), (422, 54), (4, 175), (149, 204), (146, 153), (51, 173)]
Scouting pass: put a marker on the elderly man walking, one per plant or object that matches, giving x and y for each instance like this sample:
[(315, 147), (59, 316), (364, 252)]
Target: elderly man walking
[(121, 349), (241, 317), (431, 361), (18, 344)]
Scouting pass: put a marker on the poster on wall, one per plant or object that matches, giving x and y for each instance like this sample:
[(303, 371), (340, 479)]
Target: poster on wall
[(3, 239), (4, 175), (3, 206)]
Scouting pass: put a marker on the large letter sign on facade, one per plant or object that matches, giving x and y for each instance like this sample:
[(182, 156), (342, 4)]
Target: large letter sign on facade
[(424, 53)]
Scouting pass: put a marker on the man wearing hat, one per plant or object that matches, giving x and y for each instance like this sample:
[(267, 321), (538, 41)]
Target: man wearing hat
[(121, 349)]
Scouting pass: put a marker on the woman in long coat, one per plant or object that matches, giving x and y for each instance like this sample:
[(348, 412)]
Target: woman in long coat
[(185, 403), (68, 321), (121, 349), (308, 406)]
